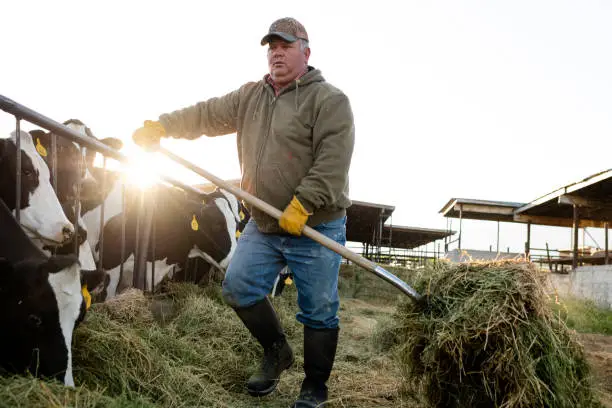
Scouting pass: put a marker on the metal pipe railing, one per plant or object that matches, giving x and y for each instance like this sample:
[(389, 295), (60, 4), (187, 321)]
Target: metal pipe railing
[(21, 112)]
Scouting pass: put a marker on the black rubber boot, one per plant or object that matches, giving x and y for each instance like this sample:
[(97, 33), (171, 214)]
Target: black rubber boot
[(319, 354), (262, 322)]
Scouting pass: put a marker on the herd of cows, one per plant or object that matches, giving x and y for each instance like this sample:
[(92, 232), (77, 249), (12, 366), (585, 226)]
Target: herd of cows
[(60, 252)]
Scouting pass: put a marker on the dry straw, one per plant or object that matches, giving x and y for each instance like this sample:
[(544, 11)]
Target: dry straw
[(487, 338)]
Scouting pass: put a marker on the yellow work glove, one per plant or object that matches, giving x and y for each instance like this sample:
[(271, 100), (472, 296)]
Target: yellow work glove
[(149, 136), (294, 217)]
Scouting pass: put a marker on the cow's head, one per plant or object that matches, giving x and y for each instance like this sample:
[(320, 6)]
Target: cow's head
[(72, 168), (86, 258), (41, 214), (42, 301), (71, 165), (220, 218)]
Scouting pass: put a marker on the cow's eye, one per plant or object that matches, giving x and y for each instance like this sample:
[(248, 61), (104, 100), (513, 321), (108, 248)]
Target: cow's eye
[(27, 173)]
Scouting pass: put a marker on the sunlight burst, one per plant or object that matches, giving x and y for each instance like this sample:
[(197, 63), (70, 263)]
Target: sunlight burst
[(140, 172)]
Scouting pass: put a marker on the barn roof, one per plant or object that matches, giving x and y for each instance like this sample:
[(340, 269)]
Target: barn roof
[(363, 219), (480, 209), (593, 196), (413, 237)]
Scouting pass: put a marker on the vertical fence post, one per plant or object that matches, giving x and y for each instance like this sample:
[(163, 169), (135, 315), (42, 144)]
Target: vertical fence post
[(142, 247), (54, 160), (102, 195), (137, 247), (153, 238), (18, 169), (123, 221), (77, 203)]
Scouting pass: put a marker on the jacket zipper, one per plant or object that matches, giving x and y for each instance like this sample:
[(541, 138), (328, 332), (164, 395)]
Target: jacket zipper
[(263, 143)]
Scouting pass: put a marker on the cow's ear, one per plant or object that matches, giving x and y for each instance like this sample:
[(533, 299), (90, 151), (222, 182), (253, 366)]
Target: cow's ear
[(58, 263), (113, 143), (42, 141), (40, 137)]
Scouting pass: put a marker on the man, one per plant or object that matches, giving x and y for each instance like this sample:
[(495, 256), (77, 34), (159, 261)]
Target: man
[(295, 136)]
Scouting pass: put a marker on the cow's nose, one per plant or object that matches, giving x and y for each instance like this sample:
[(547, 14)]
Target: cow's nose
[(67, 232)]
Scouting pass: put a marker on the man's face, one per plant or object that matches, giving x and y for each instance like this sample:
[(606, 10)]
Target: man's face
[(286, 60)]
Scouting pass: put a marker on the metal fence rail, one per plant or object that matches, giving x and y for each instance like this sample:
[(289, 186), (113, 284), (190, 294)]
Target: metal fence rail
[(145, 236)]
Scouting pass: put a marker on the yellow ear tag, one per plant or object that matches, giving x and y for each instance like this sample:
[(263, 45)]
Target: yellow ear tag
[(288, 281), (40, 148), (86, 297), (194, 223), (238, 234), (241, 215)]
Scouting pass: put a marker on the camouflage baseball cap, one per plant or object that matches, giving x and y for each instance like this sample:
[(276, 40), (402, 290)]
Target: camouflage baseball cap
[(287, 28)]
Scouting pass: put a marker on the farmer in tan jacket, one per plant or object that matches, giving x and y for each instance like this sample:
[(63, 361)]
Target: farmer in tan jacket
[(295, 136)]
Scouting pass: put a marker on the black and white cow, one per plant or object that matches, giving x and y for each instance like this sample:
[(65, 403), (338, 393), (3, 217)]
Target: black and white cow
[(41, 215), (184, 228), (41, 302), (72, 170), (214, 238)]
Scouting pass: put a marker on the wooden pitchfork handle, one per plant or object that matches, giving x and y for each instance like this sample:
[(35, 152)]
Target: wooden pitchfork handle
[(308, 231)]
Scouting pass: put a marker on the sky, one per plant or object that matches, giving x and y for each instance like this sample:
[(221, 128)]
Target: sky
[(489, 100)]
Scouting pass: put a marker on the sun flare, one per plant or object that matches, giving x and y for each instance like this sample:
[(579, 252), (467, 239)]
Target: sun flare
[(141, 171)]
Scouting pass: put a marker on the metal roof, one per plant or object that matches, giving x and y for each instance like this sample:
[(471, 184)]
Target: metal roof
[(363, 220), (593, 196), (413, 237), (480, 209)]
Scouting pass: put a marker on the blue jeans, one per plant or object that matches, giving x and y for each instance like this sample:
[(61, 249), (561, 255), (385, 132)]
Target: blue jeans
[(260, 257)]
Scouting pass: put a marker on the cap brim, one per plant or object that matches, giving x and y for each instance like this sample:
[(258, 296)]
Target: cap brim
[(287, 37)]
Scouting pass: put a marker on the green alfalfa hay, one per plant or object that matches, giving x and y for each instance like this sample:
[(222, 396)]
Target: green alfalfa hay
[(27, 392), (487, 337), (195, 360), (122, 357)]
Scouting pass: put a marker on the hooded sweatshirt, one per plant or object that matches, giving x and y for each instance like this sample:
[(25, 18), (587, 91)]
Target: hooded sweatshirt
[(297, 143)]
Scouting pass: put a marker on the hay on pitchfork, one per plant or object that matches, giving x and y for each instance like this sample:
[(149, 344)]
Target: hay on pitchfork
[(486, 337)]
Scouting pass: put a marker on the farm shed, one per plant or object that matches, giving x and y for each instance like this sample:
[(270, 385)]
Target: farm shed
[(586, 203)]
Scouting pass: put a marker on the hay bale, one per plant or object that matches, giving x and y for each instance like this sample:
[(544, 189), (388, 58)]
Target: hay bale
[(488, 338)]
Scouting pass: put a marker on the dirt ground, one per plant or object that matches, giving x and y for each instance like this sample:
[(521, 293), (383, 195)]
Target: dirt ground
[(380, 382), (375, 380), (598, 348)]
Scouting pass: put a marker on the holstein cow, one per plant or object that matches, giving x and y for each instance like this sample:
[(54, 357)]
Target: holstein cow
[(36, 291), (205, 230), (184, 227), (72, 169), (41, 215), (41, 303)]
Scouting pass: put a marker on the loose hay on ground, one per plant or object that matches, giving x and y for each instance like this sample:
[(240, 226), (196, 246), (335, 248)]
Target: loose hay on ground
[(193, 360), (199, 355), (488, 338)]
